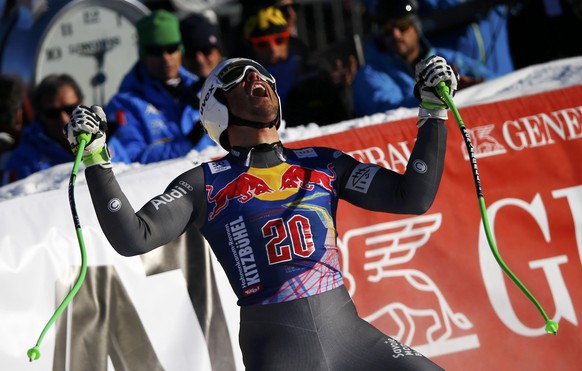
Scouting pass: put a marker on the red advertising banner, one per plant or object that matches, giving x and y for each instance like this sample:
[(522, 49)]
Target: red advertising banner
[(432, 281)]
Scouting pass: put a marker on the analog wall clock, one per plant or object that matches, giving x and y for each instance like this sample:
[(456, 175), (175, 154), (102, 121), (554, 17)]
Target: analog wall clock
[(95, 41)]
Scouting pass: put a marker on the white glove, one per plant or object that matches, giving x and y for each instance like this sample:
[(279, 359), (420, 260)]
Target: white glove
[(85, 120), (429, 73)]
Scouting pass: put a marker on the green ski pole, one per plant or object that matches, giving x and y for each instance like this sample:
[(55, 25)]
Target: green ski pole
[(443, 92), (34, 352)]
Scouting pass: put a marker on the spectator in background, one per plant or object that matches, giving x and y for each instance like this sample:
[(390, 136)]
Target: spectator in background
[(43, 144), (340, 63), (250, 9), (202, 45), (15, 113), (476, 28), (154, 104), (308, 93), (387, 80)]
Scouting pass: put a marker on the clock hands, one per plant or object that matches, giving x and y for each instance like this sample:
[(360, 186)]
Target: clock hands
[(97, 49)]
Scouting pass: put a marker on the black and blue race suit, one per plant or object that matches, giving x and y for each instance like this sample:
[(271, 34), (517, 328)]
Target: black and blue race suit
[(269, 215)]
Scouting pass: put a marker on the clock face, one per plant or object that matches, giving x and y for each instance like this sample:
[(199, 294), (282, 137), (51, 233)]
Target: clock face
[(95, 41)]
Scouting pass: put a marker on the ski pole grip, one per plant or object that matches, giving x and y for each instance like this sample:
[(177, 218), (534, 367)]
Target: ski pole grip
[(86, 137), (443, 92)]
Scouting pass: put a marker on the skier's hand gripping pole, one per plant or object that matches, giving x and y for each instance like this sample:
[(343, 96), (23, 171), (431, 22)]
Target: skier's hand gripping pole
[(428, 73), (443, 92), (92, 121)]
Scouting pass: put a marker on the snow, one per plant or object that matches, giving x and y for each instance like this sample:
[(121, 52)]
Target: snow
[(527, 81)]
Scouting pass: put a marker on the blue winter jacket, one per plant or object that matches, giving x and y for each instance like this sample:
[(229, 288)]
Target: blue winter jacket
[(154, 125), (37, 151), (486, 40), (386, 82)]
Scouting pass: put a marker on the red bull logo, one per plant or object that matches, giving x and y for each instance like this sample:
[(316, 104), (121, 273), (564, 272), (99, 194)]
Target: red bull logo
[(242, 188), (305, 178), (288, 178)]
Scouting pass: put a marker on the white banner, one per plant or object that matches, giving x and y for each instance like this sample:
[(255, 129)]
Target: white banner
[(39, 263)]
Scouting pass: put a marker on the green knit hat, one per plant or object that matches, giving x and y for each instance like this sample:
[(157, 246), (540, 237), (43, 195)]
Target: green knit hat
[(159, 28)]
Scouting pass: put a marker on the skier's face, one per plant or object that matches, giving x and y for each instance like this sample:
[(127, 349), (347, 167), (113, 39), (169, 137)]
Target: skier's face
[(253, 99)]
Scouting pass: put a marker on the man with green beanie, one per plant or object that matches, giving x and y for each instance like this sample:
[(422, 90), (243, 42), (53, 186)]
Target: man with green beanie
[(156, 106), (160, 29)]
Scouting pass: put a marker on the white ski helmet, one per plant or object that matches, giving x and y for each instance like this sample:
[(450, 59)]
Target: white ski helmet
[(214, 113)]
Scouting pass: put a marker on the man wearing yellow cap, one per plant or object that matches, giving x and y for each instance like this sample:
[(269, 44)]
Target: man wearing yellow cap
[(308, 93), (156, 105)]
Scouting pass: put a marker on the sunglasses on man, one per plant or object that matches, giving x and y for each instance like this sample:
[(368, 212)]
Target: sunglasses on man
[(158, 51), (401, 25), (263, 42), (55, 113)]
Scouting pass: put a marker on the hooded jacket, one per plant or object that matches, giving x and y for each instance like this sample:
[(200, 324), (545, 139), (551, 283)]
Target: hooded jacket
[(386, 82), (152, 123)]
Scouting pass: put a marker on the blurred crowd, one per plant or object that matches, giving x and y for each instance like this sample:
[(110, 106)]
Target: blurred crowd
[(154, 115)]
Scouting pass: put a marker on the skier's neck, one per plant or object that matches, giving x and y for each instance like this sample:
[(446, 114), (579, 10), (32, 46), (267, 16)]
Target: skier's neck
[(261, 156)]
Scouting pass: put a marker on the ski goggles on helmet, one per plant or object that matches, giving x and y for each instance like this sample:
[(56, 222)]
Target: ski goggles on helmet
[(235, 72)]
